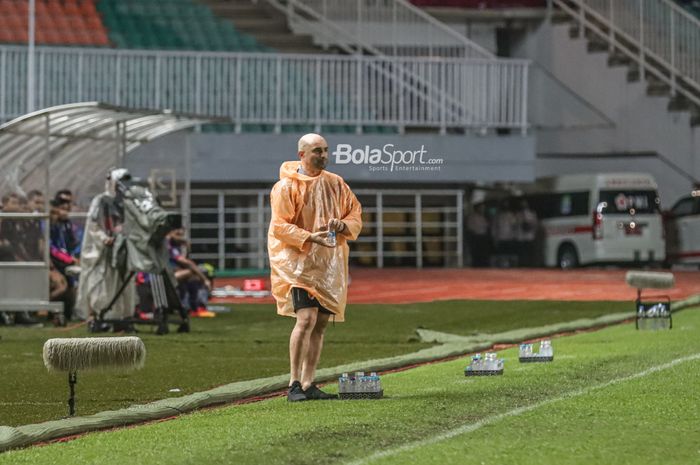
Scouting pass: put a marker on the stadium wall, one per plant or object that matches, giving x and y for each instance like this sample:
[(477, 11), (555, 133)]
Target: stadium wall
[(430, 159), (589, 118)]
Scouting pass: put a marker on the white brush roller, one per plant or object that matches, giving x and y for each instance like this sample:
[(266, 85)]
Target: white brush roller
[(94, 353), (650, 280)]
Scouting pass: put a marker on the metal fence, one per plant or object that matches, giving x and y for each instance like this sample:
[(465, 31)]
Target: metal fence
[(276, 89), (393, 27), (660, 36), (228, 228)]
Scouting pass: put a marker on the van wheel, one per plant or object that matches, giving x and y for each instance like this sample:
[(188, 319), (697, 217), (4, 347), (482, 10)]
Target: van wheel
[(567, 258)]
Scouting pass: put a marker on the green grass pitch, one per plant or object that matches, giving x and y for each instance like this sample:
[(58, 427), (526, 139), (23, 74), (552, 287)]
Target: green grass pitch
[(248, 343), (612, 396)]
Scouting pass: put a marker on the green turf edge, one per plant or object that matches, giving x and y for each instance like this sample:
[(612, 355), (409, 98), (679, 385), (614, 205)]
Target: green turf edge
[(692, 301), (21, 436)]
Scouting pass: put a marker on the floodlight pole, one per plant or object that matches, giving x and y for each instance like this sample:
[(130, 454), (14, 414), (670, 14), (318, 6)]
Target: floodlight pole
[(30, 56), (122, 146), (120, 143), (188, 184), (47, 186)]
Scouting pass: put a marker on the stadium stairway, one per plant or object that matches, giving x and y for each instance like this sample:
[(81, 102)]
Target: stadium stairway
[(523, 14), (586, 102), (263, 22), (654, 86), (626, 121)]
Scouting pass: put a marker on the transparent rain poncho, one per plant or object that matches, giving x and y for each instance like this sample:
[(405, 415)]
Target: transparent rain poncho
[(100, 277), (301, 205)]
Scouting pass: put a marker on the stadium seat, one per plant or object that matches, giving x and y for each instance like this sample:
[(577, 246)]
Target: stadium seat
[(173, 24), (58, 22)]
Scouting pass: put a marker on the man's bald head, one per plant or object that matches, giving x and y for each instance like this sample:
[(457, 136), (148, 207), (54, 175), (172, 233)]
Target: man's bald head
[(308, 141), (313, 153)]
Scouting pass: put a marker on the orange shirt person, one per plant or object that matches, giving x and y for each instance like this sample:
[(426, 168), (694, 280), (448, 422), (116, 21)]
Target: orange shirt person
[(308, 270)]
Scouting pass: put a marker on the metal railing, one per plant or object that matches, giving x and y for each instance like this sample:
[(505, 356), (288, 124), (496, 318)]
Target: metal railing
[(393, 27), (660, 36), (277, 89), (228, 228), (327, 20)]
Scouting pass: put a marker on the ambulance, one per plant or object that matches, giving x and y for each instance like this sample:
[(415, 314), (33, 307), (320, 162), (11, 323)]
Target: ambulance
[(612, 218)]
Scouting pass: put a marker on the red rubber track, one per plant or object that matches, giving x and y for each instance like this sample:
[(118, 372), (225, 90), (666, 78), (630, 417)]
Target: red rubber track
[(406, 285)]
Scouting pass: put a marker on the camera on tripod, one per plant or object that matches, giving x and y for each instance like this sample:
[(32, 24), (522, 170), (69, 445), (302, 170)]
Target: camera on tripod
[(140, 247)]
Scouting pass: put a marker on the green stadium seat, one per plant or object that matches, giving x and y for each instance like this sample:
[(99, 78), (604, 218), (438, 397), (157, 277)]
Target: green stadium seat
[(171, 24)]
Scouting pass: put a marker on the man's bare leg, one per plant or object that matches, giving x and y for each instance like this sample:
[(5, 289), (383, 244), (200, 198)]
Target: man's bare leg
[(313, 352), (299, 341)]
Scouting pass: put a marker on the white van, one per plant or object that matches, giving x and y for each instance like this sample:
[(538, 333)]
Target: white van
[(683, 230), (599, 218)]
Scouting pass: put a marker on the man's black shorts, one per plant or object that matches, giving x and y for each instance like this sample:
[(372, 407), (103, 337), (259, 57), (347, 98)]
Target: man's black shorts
[(302, 299)]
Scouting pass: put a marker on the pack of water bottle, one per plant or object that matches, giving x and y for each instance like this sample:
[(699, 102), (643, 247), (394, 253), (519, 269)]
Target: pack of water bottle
[(654, 316), (545, 354), (360, 386), (488, 365)]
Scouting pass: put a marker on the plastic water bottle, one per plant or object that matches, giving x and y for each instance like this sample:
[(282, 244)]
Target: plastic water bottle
[(665, 316), (525, 350), (477, 362), (359, 381), (546, 348), (490, 361), (352, 384), (343, 383), (332, 239), (374, 386)]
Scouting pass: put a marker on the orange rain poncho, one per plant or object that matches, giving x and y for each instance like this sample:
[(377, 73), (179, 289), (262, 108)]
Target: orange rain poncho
[(301, 205)]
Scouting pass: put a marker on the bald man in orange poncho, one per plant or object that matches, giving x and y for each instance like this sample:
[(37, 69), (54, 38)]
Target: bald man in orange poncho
[(309, 270)]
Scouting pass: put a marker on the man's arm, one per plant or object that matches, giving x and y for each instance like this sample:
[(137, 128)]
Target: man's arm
[(352, 218), (63, 257), (283, 214), (192, 266)]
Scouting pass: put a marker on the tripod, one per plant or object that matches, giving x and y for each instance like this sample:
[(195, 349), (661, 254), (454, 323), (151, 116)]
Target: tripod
[(165, 298)]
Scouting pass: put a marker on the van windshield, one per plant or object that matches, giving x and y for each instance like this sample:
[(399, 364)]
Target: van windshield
[(559, 204), (624, 201)]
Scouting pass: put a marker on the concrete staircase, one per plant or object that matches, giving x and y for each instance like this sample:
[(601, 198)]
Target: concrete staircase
[(655, 87), (263, 22), (595, 112)]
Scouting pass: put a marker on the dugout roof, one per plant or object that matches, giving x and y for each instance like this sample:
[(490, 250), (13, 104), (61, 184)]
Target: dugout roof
[(84, 139)]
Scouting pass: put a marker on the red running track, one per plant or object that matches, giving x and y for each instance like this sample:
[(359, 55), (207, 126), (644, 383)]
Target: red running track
[(406, 285)]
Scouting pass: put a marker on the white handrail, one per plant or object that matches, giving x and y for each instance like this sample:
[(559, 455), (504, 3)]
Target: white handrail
[(278, 89), (660, 36), (328, 21), (395, 27)]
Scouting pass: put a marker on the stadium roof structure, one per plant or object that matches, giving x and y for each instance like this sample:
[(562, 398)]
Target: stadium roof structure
[(82, 139)]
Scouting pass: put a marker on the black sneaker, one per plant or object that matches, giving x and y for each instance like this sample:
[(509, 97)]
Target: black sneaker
[(314, 393), (295, 393), (25, 319), (7, 319)]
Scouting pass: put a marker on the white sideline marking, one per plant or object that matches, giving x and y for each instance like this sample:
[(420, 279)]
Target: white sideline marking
[(468, 428)]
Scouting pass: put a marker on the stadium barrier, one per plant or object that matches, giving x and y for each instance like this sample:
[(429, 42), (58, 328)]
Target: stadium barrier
[(276, 89)]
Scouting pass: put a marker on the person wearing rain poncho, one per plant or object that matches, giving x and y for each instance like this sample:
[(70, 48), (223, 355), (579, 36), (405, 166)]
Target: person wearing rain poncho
[(100, 277), (309, 269)]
